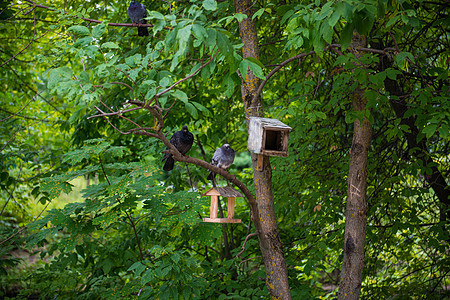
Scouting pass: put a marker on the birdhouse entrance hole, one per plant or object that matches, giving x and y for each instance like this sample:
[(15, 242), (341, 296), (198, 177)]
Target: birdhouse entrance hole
[(231, 195), (273, 140)]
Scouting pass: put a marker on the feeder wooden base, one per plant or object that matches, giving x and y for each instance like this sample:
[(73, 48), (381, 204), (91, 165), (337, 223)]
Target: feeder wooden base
[(221, 220)]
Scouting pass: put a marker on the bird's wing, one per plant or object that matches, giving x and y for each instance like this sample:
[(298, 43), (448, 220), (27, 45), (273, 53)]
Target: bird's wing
[(216, 157), (144, 11), (176, 139)]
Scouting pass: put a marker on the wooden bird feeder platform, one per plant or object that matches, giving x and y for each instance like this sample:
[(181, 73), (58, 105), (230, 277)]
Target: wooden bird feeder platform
[(227, 192)]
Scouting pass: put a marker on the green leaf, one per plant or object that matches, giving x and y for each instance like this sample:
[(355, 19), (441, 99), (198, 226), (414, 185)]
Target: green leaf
[(106, 219), (206, 232), (378, 79), (180, 95), (176, 257), (199, 32), (346, 36), (55, 185), (134, 60), (243, 68), (444, 131), (78, 29), (225, 47), (183, 36), (139, 267), (147, 276), (286, 16), (321, 115), (430, 130), (39, 236), (212, 37), (165, 81), (110, 45), (318, 43), (402, 56), (150, 94), (155, 15), (443, 75), (326, 10), (392, 21), (258, 13), (85, 152), (191, 109), (230, 87), (255, 61), (210, 4), (107, 265), (338, 11), (392, 73), (293, 24), (84, 77), (256, 69), (240, 17), (58, 75), (327, 32), (201, 108), (363, 23), (99, 30)]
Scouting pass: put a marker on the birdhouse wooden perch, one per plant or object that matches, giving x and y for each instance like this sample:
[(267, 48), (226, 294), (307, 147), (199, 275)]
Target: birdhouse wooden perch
[(267, 137), (227, 192)]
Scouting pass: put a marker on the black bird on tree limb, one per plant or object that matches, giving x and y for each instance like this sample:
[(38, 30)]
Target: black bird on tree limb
[(137, 13), (182, 140), (222, 158)]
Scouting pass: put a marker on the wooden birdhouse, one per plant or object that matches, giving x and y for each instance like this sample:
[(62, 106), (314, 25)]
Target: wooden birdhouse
[(268, 137), (227, 192)]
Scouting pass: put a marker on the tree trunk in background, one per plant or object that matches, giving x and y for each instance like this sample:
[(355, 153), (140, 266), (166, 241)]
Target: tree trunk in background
[(266, 223), (419, 150), (356, 209)]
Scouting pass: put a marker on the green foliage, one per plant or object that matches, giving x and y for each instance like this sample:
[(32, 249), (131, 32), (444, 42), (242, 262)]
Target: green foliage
[(136, 232)]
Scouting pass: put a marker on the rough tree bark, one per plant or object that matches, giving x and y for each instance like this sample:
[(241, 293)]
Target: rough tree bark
[(266, 223), (356, 209)]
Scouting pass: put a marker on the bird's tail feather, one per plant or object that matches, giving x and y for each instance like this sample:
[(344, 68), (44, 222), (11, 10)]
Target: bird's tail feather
[(142, 31), (211, 176), (168, 165)]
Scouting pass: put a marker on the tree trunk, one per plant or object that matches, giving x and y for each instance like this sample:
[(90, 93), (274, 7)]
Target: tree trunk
[(419, 149), (265, 223), (356, 209)]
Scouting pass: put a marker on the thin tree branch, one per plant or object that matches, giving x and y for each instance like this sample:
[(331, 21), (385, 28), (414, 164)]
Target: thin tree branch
[(9, 141), (96, 21), (35, 91), (281, 65), (248, 259), (122, 83), (14, 56), (189, 76), (201, 163), (117, 113), (10, 194), (245, 242), (138, 241), (301, 55), (25, 227)]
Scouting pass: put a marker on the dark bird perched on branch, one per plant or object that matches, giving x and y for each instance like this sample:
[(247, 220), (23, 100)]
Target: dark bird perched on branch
[(222, 158), (137, 13), (182, 140)]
